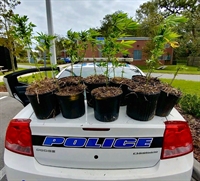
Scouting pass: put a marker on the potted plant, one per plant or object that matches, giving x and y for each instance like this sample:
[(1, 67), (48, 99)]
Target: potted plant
[(169, 97), (71, 90), (95, 80), (107, 98), (41, 92), (142, 101)]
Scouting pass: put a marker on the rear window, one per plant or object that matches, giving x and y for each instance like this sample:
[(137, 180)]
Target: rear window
[(127, 72)]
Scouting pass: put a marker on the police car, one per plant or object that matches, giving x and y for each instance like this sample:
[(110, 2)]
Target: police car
[(84, 149)]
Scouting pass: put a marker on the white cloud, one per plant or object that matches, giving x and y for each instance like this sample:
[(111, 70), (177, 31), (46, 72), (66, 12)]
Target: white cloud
[(74, 14)]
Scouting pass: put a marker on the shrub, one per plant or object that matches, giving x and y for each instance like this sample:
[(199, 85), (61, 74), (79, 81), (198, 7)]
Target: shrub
[(191, 104), (40, 62), (60, 62), (22, 61)]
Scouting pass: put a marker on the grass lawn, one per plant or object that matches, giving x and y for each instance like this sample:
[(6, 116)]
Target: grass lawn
[(36, 76), (1, 83), (172, 69), (186, 86)]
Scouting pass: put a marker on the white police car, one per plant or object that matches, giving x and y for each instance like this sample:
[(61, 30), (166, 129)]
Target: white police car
[(84, 149)]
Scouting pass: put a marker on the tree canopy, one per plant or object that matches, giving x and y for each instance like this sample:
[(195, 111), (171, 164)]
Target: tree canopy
[(7, 39), (111, 19), (151, 13)]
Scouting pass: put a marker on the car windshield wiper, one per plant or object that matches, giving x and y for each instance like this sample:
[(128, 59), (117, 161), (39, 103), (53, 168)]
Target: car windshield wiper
[(72, 73), (135, 70)]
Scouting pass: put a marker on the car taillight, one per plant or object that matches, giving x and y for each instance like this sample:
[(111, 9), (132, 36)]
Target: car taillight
[(18, 137), (177, 139)]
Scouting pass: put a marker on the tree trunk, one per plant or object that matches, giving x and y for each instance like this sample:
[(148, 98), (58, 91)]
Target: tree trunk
[(12, 60)]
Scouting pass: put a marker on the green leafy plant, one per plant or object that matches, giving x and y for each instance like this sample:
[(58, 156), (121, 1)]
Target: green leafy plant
[(82, 46), (165, 34), (44, 44), (178, 68), (71, 46), (190, 104), (92, 39), (111, 45)]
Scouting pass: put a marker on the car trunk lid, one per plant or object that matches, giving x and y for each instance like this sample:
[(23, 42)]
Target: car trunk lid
[(88, 143)]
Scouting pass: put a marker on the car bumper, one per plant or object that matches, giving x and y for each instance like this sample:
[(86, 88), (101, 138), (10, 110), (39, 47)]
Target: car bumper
[(25, 168)]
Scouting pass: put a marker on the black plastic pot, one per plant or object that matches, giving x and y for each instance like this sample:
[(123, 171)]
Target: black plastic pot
[(89, 89), (165, 104), (140, 106), (123, 101), (45, 105), (107, 109), (72, 106)]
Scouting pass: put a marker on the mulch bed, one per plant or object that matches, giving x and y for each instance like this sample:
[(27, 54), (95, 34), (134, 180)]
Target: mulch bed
[(3, 88), (193, 122)]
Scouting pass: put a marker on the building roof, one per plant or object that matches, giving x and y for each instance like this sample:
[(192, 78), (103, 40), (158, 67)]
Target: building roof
[(134, 38)]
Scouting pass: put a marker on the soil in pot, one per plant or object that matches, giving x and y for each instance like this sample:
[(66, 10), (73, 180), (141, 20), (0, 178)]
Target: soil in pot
[(142, 101), (92, 82), (42, 98), (106, 103), (70, 80), (141, 80), (168, 98), (71, 101), (123, 84)]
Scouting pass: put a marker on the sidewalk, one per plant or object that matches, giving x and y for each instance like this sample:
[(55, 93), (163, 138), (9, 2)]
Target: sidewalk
[(178, 77)]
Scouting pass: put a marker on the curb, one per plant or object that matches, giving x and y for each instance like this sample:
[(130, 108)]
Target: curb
[(196, 170), (4, 94)]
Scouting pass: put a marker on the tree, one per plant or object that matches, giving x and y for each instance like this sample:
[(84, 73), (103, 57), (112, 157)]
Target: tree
[(7, 39), (178, 6), (110, 19), (149, 17), (145, 10), (23, 31)]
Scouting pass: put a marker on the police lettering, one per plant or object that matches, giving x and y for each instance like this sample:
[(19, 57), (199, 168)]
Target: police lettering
[(79, 142)]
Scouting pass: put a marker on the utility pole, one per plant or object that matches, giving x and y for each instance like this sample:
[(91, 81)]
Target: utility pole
[(50, 31)]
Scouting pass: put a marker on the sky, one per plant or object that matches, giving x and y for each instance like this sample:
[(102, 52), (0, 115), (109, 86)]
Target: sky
[(77, 15)]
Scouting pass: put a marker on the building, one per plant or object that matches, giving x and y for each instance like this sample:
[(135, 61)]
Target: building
[(136, 52)]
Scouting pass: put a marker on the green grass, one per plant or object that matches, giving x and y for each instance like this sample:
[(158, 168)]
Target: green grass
[(172, 68), (31, 64), (35, 76), (187, 87)]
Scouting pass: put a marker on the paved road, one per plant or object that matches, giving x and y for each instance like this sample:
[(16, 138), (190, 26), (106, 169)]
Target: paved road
[(178, 77), (9, 107)]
